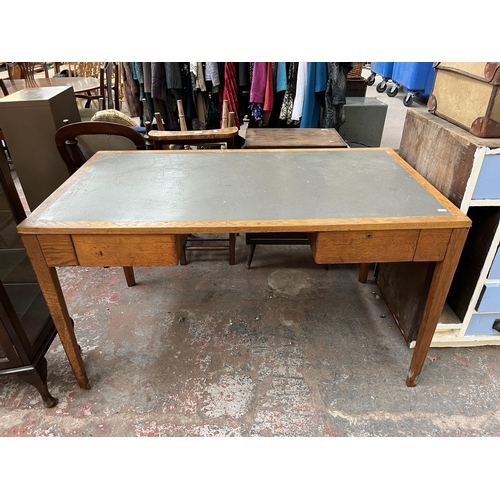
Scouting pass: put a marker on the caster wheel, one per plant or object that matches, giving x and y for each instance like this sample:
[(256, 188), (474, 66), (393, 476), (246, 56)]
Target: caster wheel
[(371, 79), (392, 91), (408, 101), (381, 86)]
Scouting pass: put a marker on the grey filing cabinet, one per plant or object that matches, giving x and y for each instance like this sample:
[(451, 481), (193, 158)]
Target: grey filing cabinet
[(364, 121), (29, 119)]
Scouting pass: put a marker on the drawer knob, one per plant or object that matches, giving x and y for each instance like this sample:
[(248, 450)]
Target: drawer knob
[(496, 325), (369, 235)]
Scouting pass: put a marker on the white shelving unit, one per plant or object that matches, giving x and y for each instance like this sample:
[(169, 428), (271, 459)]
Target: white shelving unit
[(466, 169)]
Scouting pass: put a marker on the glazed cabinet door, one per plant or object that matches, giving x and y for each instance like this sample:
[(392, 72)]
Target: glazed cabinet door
[(9, 355)]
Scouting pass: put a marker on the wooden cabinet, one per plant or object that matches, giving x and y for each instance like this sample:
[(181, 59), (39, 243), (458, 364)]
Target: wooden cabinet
[(26, 328), (466, 169)]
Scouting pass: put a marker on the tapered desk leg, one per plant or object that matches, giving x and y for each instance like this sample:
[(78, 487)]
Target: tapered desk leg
[(129, 275), (440, 284), (364, 269), (51, 289)]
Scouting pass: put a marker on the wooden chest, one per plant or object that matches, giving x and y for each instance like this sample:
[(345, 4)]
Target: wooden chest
[(356, 87), (468, 95)]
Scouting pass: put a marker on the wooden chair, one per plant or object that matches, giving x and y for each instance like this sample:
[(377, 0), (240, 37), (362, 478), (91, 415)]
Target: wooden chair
[(84, 69), (108, 74), (27, 71), (77, 142), (220, 138)]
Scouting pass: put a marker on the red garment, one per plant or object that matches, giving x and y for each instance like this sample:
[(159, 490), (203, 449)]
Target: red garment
[(231, 91), (269, 96)]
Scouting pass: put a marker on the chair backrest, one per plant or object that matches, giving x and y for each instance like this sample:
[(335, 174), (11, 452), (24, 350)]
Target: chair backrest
[(3, 88), (110, 82), (77, 142), (85, 69), (223, 136), (194, 137), (28, 70)]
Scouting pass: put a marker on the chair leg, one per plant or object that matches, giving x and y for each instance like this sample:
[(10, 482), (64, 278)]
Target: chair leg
[(232, 249), (250, 256), (129, 275), (180, 243)]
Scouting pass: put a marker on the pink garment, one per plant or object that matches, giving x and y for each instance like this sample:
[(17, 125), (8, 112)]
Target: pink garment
[(258, 87)]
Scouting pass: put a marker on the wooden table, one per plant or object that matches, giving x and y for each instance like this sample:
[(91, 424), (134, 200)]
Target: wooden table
[(288, 138), (134, 208), (79, 84)]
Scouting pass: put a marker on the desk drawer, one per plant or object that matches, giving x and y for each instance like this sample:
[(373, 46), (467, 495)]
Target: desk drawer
[(489, 301), (339, 247), (494, 273), (488, 182), (483, 324), (125, 250)]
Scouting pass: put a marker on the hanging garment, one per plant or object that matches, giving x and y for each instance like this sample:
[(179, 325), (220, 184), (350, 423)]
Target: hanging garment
[(146, 69), (200, 98), (334, 115), (314, 95), (258, 91), (131, 90), (288, 98), (188, 99), (244, 74), (230, 92), (298, 102), (174, 88), (269, 95), (274, 120), (281, 77), (213, 118), (158, 81), (244, 80), (173, 75), (197, 75), (160, 97), (212, 73), (258, 87), (139, 75)]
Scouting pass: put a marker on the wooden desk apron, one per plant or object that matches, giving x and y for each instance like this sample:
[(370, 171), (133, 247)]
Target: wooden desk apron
[(132, 208)]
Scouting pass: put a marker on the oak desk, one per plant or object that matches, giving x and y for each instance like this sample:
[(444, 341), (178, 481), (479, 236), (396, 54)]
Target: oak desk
[(286, 138), (134, 208)]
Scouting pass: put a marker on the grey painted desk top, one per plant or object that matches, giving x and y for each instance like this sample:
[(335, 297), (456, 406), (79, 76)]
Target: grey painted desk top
[(222, 186)]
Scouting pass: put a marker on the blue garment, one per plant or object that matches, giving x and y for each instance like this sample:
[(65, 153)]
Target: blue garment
[(281, 77), (317, 77)]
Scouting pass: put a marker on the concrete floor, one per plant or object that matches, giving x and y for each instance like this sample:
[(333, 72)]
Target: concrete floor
[(286, 348)]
